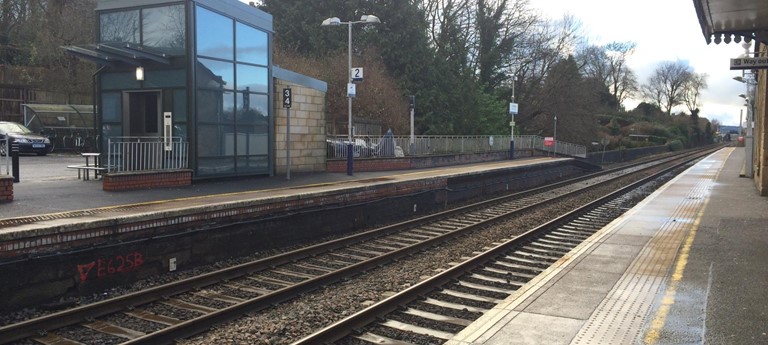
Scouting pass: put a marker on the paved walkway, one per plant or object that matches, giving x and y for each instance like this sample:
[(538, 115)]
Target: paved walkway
[(685, 266)]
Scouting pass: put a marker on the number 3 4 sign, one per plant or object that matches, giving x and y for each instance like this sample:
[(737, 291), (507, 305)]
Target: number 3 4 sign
[(287, 98)]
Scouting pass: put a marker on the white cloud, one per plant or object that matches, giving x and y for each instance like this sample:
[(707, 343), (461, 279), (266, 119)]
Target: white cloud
[(664, 31)]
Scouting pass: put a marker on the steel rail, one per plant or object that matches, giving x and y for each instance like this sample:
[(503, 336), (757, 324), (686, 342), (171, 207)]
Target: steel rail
[(365, 317)]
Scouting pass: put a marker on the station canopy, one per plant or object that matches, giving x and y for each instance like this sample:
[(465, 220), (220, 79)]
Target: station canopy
[(726, 20), (58, 117)]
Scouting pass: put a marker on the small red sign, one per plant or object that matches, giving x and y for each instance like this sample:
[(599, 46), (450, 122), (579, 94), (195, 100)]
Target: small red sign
[(549, 141)]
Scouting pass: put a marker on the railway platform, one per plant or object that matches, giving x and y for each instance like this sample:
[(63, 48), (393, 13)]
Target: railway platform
[(56, 233), (687, 265)]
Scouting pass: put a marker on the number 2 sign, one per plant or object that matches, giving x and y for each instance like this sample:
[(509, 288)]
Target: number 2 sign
[(357, 74)]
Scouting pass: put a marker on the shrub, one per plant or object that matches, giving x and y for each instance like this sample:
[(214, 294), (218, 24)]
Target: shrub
[(675, 145)]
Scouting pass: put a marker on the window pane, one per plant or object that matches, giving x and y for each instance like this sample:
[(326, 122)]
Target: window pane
[(215, 166), (251, 45), (214, 35), (111, 107), (179, 105), (120, 27), (163, 28), (215, 140), (165, 78), (119, 81), (215, 106), (252, 78), (213, 74), (253, 164), (180, 130), (250, 143), (252, 108)]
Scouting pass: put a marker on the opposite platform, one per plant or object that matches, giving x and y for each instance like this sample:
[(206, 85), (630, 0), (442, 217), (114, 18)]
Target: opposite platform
[(685, 266)]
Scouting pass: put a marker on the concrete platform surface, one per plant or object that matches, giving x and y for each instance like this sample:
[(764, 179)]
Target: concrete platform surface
[(685, 266)]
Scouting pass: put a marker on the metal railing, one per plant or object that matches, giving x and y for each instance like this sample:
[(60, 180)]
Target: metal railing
[(5, 157), (126, 154), (400, 146)]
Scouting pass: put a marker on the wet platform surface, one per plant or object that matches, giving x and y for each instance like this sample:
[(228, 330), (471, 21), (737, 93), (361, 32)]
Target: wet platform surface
[(685, 266)]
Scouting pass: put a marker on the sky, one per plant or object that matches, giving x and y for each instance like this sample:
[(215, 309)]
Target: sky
[(664, 30)]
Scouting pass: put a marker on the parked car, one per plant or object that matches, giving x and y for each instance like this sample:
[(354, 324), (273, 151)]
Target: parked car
[(29, 142)]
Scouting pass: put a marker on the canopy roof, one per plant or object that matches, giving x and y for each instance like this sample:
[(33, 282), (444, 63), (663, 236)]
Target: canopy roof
[(726, 20), (112, 53), (39, 117)]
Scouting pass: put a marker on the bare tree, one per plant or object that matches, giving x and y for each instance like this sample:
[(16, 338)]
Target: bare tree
[(621, 80), (666, 85), (692, 90), (545, 44), (608, 64)]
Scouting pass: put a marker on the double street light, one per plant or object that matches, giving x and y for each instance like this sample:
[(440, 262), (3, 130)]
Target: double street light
[(748, 138), (335, 21)]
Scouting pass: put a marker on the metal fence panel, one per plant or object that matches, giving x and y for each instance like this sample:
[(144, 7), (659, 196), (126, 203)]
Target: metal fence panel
[(146, 153), (5, 159), (376, 146)]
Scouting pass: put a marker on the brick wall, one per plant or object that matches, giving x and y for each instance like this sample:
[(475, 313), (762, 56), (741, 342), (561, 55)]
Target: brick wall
[(307, 129), (6, 189), (146, 180), (418, 162)]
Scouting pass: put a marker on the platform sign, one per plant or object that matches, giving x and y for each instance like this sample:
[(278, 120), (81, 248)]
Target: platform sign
[(513, 108), (549, 141), (351, 90), (749, 63), (287, 99), (357, 74)]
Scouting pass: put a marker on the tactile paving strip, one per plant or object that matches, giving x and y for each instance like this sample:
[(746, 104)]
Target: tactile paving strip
[(623, 315)]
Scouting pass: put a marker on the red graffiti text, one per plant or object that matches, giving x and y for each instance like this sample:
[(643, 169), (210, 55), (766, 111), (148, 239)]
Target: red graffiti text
[(105, 267)]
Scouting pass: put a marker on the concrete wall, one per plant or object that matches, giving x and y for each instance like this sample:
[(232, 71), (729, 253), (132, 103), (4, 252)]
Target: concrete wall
[(308, 135)]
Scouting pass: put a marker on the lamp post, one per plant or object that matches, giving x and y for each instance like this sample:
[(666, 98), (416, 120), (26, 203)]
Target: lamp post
[(555, 137), (335, 21), (748, 139), (512, 112)]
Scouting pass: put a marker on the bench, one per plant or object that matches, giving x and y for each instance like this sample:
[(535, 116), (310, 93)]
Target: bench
[(86, 169)]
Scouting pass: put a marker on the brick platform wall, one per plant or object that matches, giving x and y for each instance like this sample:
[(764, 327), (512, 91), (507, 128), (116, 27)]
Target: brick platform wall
[(6, 189), (405, 163), (146, 180)]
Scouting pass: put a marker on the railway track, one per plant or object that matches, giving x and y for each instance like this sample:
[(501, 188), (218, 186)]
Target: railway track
[(178, 310), (437, 309)]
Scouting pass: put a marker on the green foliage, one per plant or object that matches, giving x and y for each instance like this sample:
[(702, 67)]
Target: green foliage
[(675, 145)]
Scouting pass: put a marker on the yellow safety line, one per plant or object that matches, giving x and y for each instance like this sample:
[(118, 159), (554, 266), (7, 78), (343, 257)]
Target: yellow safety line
[(654, 332)]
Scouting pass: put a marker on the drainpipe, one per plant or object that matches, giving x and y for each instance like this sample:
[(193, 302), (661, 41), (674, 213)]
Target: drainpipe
[(96, 124)]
